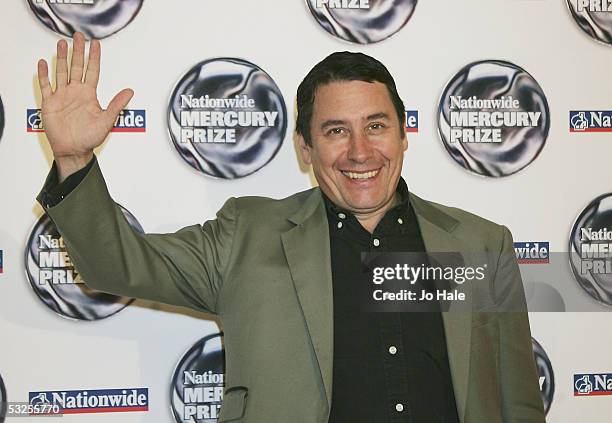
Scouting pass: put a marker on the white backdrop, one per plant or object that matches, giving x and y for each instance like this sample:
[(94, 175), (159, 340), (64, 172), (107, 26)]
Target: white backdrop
[(140, 346)]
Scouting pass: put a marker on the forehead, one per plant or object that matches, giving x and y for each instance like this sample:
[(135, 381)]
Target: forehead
[(351, 99)]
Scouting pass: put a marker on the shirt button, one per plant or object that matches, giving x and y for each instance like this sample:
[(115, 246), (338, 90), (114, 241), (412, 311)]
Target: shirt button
[(392, 350), (341, 215), (376, 242), (400, 221), (399, 408), (339, 225)]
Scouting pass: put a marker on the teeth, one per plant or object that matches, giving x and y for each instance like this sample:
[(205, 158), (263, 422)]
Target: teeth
[(364, 175)]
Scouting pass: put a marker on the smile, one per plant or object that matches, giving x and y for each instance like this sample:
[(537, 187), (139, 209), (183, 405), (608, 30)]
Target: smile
[(361, 175)]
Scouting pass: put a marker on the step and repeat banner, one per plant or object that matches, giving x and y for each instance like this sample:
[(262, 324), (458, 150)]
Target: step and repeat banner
[(509, 114)]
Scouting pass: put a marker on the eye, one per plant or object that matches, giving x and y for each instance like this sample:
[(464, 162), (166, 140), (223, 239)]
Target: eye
[(336, 131), (377, 126)]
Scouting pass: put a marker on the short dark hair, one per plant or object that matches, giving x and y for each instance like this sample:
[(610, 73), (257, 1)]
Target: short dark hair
[(337, 67)]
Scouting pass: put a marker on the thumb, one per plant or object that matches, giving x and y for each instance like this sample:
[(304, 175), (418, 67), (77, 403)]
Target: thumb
[(118, 103)]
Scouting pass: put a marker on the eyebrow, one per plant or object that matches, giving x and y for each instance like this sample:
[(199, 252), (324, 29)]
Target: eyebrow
[(381, 115), (332, 122)]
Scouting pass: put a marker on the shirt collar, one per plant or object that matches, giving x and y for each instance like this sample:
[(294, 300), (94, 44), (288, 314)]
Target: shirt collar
[(401, 210)]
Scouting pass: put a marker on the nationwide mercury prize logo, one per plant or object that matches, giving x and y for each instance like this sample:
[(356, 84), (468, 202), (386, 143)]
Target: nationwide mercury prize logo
[(94, 18), (198, 382), (493, 118), (591, 249), (1, 118), (546, 376), (227, 118), (594, 17), (56, 282), (362, 21)]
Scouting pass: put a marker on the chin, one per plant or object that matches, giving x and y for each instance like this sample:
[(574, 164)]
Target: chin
[(365, 204)]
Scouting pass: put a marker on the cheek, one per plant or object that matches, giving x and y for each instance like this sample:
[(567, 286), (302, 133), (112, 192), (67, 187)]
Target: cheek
[(326, 157), (392, 151)]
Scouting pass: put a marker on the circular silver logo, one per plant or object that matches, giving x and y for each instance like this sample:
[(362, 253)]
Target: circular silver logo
[(1, 118), (198, 382), (2, 401), (493, 118), (362, 21), (594, 17), (590, 245), (545, 374), (94, 18), (57, 283), (227, 118)]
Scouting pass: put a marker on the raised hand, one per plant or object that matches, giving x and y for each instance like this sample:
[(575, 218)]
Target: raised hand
[(74, 121)]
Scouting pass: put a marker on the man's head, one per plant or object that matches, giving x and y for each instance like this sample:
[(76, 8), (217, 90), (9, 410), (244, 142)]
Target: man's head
[(350, 126)]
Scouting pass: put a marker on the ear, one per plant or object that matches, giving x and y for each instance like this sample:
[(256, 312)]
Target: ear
[(304, 150), (404, 142)]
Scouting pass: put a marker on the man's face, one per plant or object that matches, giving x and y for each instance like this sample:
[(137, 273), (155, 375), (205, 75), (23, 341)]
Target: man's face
[(357, 150)]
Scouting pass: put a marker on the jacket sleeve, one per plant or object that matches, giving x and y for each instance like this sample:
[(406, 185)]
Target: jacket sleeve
[(520, 393), (184, 268), (54, 191)]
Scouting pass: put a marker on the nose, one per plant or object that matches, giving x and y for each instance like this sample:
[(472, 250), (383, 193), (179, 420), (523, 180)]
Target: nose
[(360, 149)]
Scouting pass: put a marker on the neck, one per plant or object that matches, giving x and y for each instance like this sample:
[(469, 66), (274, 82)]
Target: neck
[(370, 220)]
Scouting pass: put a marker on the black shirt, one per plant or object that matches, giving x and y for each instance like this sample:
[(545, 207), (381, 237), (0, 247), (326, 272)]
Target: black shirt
[(388, 366)]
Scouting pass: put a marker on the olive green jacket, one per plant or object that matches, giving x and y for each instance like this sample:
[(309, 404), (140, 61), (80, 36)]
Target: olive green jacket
[(263, 266)]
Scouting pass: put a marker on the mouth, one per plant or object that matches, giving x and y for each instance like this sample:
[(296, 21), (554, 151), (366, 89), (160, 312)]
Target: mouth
[(361, 175)]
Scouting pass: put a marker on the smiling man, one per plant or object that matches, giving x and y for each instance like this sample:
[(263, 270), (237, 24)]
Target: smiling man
[(281, 274)]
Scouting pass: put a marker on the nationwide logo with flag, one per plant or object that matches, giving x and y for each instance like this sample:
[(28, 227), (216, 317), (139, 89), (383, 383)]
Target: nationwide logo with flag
[(531, 252), (586, 385), (129, 120), (412, 121), (93, 400), (590, 121)]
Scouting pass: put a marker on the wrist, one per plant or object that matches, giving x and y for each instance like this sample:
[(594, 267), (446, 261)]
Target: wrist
[(67, 165)]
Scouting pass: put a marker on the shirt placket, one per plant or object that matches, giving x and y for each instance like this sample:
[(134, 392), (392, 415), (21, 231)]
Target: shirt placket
[(393, 353)]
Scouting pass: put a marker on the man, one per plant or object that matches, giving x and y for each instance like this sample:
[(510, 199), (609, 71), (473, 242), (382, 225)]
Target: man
[(280, 274)]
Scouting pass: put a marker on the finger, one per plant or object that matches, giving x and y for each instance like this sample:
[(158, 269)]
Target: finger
[(118, 103), (93, 64), (43, 79), (78, 51), (61, 67)]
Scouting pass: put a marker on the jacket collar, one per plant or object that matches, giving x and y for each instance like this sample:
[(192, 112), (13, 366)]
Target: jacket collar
[(314, 199)]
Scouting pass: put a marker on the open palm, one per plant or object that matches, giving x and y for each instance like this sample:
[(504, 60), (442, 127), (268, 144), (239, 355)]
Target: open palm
[(74, 121)]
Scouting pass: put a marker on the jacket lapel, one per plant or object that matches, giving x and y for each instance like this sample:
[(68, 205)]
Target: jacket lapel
[(436, 229), (307, 250)]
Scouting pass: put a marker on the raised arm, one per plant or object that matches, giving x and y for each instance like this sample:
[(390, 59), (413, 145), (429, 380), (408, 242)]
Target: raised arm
[(184, 268)]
